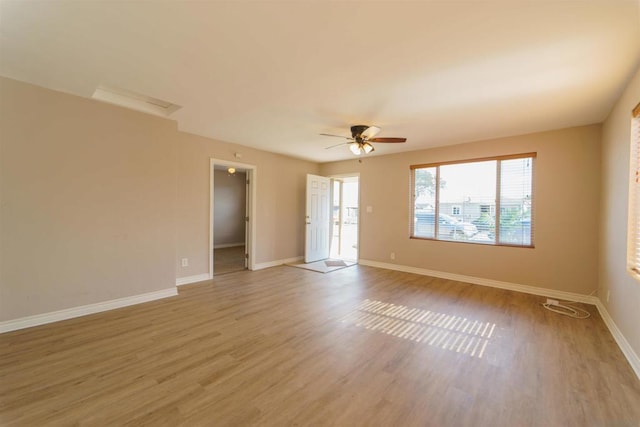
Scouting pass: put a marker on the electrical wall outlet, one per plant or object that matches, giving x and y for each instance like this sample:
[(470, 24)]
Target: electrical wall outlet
[(552, 301), (392, 255), (608, 294), (185, 262)]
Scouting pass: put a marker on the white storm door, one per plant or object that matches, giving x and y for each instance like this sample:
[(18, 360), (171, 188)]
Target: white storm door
[(318, 218)]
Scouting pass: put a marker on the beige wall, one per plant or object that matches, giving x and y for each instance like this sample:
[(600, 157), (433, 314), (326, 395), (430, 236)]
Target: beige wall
[(99, 202), (87, 208), (566, 212), (280, 201), (229, 207), (624, 301)]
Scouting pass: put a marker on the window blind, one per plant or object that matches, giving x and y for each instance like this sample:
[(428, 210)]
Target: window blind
[(516, 201), (485, 200), (634, 194)]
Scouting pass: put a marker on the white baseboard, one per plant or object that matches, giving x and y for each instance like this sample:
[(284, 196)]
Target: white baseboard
[(228, 245), (258, 266), (624, 345), (192, 279), (622, 342), (262, 265), (568, 296), (70, 313)]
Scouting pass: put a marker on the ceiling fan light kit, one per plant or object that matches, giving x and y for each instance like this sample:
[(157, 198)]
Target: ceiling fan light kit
[(367, 148), (361, 148), (361, 138)]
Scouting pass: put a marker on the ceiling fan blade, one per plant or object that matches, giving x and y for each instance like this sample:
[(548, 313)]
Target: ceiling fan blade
[(370, 132), (337, 136), (387, 139), (337, 145)]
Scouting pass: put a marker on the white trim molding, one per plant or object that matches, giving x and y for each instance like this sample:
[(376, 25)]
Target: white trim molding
[(193, 279), (269, 264), (252, 176), (70, 313), (622, 342), (570, 296)]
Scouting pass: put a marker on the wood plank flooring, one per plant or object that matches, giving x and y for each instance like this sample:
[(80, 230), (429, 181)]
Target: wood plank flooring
[(228, 260), (356, 347)]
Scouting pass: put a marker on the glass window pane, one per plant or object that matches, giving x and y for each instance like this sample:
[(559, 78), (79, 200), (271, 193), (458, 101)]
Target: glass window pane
[(425, 202), (516, 201), (486, 201), (472, 188)]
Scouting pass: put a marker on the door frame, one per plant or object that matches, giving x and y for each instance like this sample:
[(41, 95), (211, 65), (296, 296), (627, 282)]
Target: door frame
[(341, 176), (250, 235)]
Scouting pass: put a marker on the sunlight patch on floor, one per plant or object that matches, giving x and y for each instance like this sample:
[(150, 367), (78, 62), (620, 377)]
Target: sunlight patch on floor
[(446, 331)]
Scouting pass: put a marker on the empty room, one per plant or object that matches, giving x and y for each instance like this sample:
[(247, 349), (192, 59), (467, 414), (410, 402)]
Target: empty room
[(345, 213)]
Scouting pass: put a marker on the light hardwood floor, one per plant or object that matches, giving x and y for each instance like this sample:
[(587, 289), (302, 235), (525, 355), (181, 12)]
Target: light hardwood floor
[(228, 260), (286, 346)]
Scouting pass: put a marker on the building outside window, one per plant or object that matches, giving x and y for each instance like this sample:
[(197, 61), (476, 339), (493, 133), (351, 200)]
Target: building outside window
[(470, 197)]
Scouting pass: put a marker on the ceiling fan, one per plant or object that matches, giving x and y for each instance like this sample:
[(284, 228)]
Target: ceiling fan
[(361, 138)]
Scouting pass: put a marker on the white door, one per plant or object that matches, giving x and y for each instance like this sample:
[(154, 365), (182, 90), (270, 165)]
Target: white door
[(318, 218)]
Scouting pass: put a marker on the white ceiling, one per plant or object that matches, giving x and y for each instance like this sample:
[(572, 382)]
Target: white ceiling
[(273, 75)]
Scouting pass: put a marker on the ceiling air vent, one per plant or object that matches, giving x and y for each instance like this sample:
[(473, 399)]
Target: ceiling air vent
[(134, 101)]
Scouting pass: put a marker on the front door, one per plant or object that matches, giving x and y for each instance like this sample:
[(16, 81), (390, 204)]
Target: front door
[(317, 218)]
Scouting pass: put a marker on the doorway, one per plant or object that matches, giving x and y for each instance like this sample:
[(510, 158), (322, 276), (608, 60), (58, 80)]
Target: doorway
[(345, 217), (231, 237)]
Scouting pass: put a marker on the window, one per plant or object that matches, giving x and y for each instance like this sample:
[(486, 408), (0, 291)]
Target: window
[(469, 198), (633, 251)]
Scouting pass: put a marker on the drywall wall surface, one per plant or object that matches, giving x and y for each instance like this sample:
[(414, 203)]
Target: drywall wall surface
[(280, 205), (87, 210), (624, 290), (566, 194), (99, 202), (229, 209)]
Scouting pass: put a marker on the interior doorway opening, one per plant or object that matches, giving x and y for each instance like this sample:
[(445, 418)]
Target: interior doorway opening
[(231, 237), (345, 217)]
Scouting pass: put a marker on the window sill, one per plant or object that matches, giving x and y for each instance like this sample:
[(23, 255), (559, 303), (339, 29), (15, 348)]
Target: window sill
[(478, 243)]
